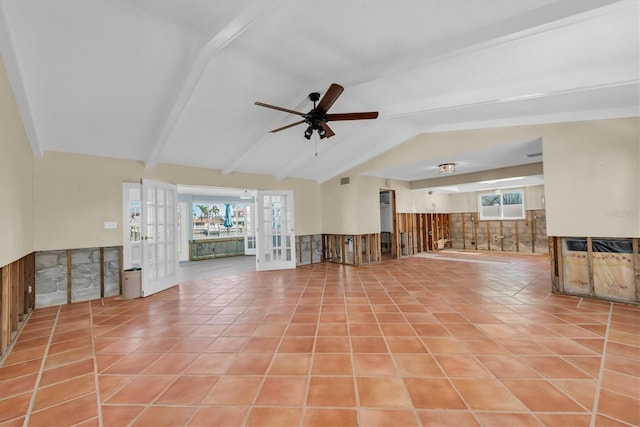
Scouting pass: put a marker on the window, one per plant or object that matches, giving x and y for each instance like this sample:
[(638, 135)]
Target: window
[(501, 205), (212, 219)]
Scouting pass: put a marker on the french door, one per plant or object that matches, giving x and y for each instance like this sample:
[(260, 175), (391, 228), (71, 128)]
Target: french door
[(249, 229), (159, 203), (275, 231)]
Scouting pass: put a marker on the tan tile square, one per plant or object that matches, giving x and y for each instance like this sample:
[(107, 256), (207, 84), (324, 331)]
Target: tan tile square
[(444, 345), (492, 419), (373, 364), (63, 391), (433, 393), (508, 367), (250, 364), (164, 416), (619, 406), (317, 417), (389, 418), (296, 345), (14, 407), (462, 366), (233, 390), (382, 393), (290, 364), (487, 395), (364, 330), (187, 390), (331, 391), (555, 368), (72, 412), (368, 344), (444, 418), (332, 364), (406, 345), (418, 365), (541, 396), (302, 330), (332, 345), (141, 390), (260, 417), (227, 345), (282, 391), (219, 416), (261, 344), (397, 329), (209, 363)]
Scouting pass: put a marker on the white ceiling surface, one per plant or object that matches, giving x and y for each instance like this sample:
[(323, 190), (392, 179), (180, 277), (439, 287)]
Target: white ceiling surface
[(166, 81)]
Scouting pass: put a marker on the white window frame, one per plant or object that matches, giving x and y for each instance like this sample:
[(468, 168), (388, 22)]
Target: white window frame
[(501, 215)]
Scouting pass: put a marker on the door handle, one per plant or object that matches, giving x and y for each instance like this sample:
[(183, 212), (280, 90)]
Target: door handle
[(147, 238)]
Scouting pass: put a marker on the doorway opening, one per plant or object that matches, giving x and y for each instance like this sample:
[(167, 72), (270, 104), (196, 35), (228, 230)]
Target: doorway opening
[(388, 236)]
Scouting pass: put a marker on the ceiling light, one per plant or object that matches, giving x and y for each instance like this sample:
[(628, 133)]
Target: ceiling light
[(321, 132), (308, 132), (447, 168)]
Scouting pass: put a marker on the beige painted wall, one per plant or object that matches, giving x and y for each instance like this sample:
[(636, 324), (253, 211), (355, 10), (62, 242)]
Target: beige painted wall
[(75, 194), (347, 209), (592, 178), (16, 205)]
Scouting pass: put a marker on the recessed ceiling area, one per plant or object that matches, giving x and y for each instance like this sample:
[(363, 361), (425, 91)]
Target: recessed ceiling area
[(494, 157), (161, 81)]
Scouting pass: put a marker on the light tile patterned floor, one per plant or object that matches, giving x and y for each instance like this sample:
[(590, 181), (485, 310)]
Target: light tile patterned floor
[(409, 342)]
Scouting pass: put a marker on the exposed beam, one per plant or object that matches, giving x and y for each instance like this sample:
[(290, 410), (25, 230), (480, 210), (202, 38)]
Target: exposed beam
[(12, 66), (241, 23), (528, 169)]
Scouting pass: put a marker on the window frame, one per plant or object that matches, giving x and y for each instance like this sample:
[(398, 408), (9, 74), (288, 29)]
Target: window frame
[(501, 195)]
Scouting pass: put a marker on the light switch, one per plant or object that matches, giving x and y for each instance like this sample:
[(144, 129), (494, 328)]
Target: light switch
[(110, 225)]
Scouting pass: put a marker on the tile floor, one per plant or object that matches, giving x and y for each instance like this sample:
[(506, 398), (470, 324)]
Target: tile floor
[(409, 342)]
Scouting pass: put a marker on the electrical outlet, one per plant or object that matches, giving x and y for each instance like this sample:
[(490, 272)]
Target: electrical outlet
[(110, 225)]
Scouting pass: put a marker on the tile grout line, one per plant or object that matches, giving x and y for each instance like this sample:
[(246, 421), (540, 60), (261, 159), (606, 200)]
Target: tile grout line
[(95, 367), (315, 342), (41, 370), (596, 399)]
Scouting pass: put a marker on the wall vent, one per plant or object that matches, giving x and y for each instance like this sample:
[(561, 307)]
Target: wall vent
[(344, 181)]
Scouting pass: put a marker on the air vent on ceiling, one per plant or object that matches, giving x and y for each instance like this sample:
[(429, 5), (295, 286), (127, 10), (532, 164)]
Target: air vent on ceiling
[(344, 181), (533, 155)]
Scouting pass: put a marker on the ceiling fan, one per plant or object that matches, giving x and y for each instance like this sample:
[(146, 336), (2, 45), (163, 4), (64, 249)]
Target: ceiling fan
[(318, 117)]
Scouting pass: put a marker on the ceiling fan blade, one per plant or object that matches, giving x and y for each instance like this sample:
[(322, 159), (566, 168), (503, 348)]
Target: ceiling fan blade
[(287, 126), (328, 132), (286, 110), (352, 116), (329, 98)]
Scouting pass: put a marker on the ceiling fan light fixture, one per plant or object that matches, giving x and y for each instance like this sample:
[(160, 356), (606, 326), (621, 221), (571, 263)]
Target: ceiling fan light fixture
[(447, 168), (308, 132), (322, 133)]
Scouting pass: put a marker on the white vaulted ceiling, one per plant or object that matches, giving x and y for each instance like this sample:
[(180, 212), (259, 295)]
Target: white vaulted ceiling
[(175, 81)]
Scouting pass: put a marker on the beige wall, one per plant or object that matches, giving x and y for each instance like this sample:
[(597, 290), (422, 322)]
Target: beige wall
[(346, 209), (75, 194), (16, 206), (592, 178)]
